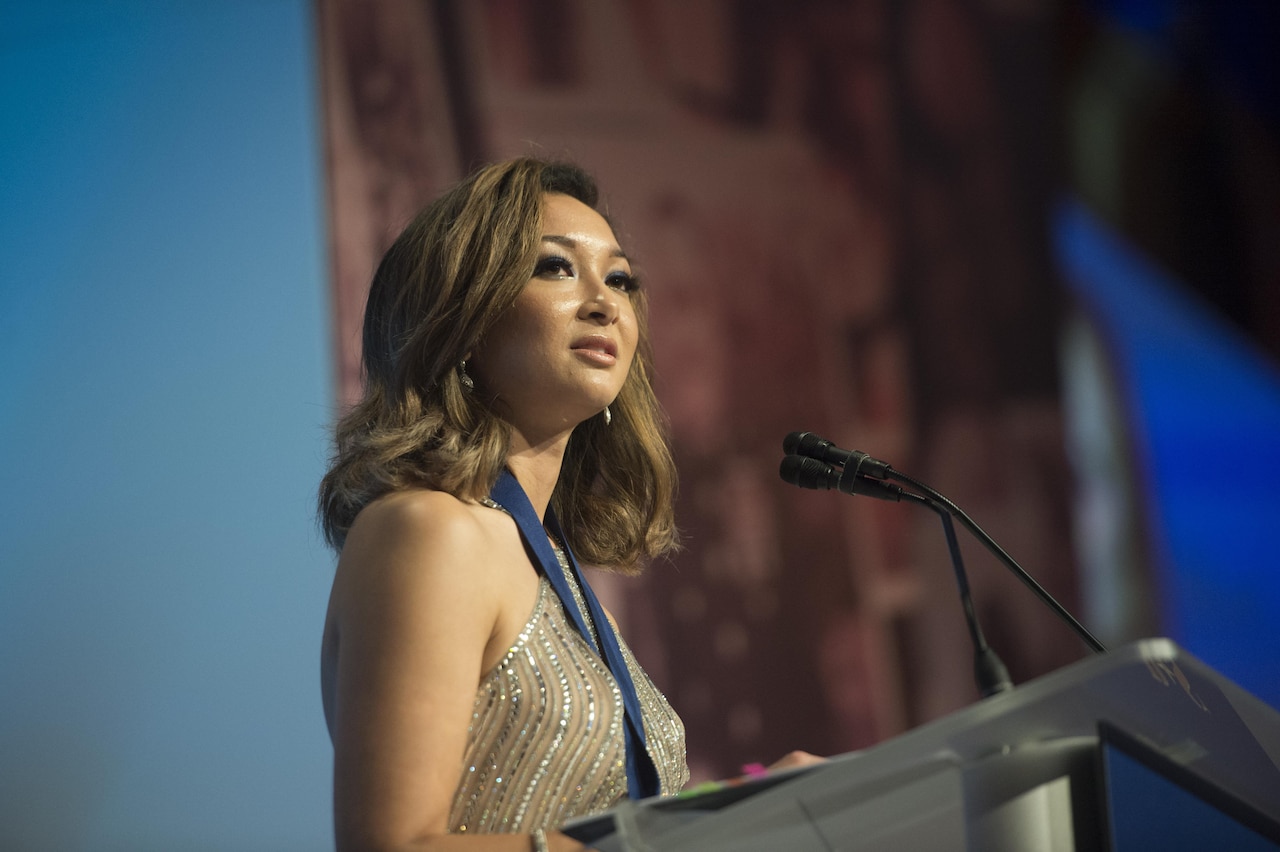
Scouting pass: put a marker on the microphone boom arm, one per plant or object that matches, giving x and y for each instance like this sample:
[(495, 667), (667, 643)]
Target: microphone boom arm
[(990, 544), (988, 669), (809, 464)]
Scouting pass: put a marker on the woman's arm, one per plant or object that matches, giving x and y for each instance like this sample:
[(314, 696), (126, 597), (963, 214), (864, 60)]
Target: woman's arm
[(416, 604)]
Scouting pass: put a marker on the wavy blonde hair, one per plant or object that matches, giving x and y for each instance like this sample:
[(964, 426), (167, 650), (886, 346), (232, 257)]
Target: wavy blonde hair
[(438, 290)]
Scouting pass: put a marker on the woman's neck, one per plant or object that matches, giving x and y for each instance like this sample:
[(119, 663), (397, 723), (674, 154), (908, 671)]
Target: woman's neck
[(537, 467)]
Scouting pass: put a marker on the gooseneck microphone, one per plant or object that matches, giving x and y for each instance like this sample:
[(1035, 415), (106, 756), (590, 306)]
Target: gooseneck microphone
[(811, 446), (988, 669), (811, 473), (812, 462)]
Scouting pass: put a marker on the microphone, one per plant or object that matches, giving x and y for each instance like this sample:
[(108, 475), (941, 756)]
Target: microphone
[(989, 671), (808, 464), (819, 476), (864, 466), (809, 444)]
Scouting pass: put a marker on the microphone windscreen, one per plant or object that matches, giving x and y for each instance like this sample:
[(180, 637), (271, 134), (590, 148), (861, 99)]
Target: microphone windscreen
[(792, 441), (808, 473), (809, 444)]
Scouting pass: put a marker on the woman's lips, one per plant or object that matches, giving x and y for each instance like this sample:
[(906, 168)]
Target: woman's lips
[(597, 349)]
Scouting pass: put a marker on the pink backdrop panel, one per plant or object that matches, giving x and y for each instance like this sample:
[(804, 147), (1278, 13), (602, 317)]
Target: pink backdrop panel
[(838, 209)]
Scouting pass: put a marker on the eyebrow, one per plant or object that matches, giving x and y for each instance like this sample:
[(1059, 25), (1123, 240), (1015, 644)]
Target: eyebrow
[(569, 242)]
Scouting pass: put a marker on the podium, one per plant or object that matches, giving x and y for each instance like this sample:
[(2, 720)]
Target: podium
[(1144, 747)]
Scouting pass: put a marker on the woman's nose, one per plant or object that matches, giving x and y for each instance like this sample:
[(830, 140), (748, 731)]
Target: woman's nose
[(600, 302)]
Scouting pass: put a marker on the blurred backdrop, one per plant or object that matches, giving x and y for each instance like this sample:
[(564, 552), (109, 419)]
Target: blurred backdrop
[(1025, 251)]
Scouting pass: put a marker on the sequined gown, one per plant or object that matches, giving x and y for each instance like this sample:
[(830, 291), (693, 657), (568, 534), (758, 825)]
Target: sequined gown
[(546, 742)]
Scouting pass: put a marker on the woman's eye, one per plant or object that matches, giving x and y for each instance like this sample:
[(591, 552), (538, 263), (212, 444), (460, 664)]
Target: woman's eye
[(623, 281), (554, 266)]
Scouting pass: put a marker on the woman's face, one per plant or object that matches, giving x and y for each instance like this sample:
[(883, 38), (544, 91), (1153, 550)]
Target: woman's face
[(564, 349)]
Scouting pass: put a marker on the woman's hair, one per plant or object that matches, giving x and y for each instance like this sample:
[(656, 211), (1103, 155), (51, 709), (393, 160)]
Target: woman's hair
[(438, 290)]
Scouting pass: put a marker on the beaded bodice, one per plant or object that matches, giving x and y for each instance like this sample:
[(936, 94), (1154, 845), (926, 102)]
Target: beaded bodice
[(546, 741)]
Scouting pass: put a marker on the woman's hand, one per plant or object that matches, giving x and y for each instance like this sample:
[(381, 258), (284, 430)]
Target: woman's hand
[(796, 759), (557, 842)]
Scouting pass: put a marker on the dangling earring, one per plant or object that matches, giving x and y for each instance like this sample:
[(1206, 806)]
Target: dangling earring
[(463, 377), (608, 416)]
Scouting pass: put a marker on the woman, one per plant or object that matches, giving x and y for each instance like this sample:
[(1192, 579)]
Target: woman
[(475, 692)]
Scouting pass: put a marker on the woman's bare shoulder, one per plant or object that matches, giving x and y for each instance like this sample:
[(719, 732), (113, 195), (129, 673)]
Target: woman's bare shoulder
[(414, 511), (414, 537), (417, 518)]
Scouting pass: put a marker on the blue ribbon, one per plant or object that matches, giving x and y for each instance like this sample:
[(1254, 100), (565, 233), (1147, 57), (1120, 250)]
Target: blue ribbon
[(642, 776)]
